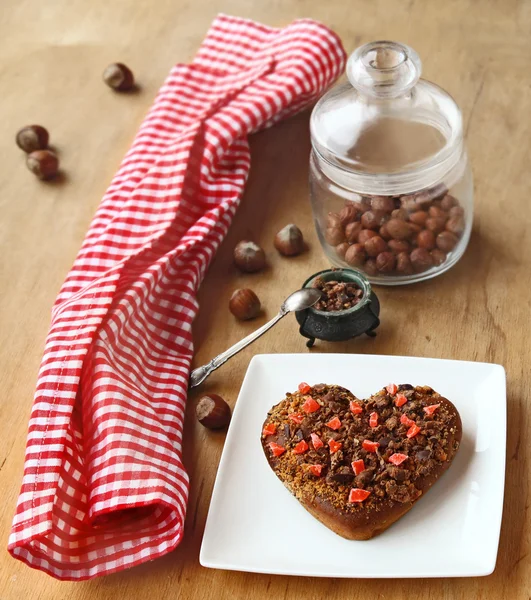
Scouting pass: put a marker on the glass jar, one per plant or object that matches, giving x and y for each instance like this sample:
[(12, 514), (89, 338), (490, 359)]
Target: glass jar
[(390, 183)]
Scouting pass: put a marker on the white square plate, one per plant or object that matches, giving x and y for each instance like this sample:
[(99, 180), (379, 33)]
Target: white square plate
[(255, 524)]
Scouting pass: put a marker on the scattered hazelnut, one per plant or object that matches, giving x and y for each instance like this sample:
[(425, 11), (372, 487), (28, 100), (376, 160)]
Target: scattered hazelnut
[(370, 267), (334, 236), (119, 77), (382, 204), (400, 213), (244, 304), (355, 255), (446, 241), (398, 246), (448, 202), (435, 224), (289, 240), (399, 230), (333, 220), (385, 262), (375, 245), (372, 219), (384, 232), (43, 163), (366, 234), (341, 249), (352, 231), (455, 225), (426, 239), (212, 411), (348, 214), (403, 264), (249, 257), (438, 256), (421, 260), (419, 217), (457, 211), (31, 138)]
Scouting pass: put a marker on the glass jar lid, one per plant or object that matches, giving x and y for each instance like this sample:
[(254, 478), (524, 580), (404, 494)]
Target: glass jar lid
[(385, 130)]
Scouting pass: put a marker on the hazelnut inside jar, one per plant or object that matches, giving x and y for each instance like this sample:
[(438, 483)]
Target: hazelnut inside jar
[(391, 188)]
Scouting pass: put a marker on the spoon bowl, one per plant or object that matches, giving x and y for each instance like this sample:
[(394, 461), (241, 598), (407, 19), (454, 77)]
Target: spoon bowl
[(301, 299)]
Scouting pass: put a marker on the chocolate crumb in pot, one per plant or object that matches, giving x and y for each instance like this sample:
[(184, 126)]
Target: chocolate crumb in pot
[(338, 295)]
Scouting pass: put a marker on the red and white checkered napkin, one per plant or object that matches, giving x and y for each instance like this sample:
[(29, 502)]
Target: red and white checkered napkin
[(104, 487)]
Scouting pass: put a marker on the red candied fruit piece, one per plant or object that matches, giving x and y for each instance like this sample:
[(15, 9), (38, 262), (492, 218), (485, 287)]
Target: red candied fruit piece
[(358, 466), (316, 470), (392, 389), (429, 410), (334, 446), (397, 458), (276, 449), (355, 407), (373, 419), (400, 400), (270, 429), (310, 406), (304, 388), (370, 446), (296, 418), (405, 420), (334, 423), (412, 431), (316, 441), (301, 447), (357, 495)]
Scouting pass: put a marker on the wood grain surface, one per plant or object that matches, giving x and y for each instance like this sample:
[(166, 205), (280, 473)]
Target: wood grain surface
[(52, 54)]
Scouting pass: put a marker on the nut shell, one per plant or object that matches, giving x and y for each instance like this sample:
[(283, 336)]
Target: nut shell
[(32, 137), (43, 163), (373, 219), (352, 231), (334, 235), (244, 304), (375, 245), (212, 411), (355, 255), (446, 241), (366, 234), (119, 77), (249, 257), (289, 240), (386, 262), (384, 204), (348, 214), (421, 260), (398, 229)]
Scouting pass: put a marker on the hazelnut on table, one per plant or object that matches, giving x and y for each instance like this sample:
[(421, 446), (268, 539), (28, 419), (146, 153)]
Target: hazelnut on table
[(249, 257), (43, 163), (289, 240), (119, 77), (213, 412), (244, 304), (32, 137)]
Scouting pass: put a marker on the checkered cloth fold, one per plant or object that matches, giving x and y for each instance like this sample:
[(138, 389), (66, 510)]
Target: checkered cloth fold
[(104, 487)]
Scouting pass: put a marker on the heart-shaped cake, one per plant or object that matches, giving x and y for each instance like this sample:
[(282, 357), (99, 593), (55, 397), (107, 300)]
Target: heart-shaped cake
[(359, 465)]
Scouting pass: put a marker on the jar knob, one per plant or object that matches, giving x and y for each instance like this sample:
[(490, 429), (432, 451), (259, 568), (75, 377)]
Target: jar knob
[(384, 69)]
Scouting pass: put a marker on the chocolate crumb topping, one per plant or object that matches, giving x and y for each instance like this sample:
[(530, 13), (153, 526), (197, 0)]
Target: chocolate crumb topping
[(424, 451)]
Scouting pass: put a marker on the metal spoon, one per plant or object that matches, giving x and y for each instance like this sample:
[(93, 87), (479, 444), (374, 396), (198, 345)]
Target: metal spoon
[(299, 300)]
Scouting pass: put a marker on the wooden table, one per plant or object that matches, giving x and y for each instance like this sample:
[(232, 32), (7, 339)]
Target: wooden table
[(52, 55)]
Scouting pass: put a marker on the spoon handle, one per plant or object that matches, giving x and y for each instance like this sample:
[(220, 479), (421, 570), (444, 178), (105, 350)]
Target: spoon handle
[(201, 373)]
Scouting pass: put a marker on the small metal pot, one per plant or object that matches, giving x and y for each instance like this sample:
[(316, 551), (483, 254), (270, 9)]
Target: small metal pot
[(341, 325)]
